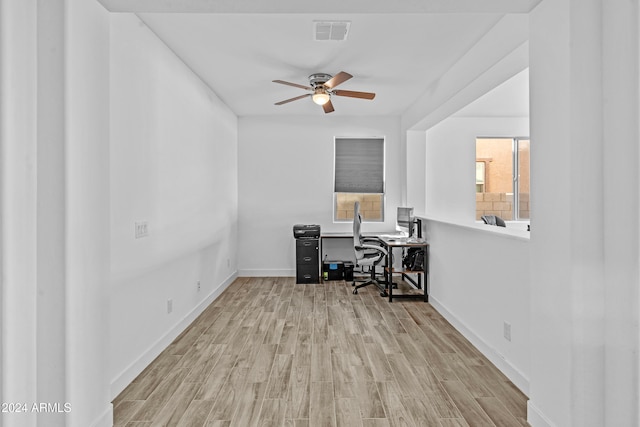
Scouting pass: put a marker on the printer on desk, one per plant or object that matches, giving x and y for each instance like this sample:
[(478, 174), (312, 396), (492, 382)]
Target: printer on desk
[(307, 253)]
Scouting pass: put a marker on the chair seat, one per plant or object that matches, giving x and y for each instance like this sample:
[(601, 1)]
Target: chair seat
[(369, 258)]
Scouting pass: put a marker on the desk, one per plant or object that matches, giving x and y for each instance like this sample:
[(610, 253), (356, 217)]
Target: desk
[(336, 246), (345, 253), (339, 245), (392, 243)]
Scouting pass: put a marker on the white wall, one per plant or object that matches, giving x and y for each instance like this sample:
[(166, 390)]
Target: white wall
[(55, 197), (18, 142), (416, 169), (479, 274), (87, 212), (480, 279), (173, 164), (551, 241), (450, 162), (584, 243), (584, 253), (621, 165), (286, 178)]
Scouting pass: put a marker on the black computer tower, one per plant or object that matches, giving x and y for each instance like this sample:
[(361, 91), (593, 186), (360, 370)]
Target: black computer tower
[(348, 271)]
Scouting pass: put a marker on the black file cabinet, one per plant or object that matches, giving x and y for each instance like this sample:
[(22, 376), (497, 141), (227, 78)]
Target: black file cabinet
[(307, 261)]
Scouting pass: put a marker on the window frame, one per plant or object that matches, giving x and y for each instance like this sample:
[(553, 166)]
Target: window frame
[(516, 177), (383, 195)]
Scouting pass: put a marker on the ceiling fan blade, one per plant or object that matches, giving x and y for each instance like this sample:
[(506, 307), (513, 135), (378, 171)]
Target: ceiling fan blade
[(328, 107), (354, 94), (282, 82), (293, 99), (339, 78)]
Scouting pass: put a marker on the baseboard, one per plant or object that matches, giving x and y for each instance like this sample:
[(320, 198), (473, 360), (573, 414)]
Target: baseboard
[(535, 417), (134, 369), (513, 373), (106, 419), (267, 273)]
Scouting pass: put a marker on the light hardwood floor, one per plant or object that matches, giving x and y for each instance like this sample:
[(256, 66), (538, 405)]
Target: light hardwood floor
[(269, 352)]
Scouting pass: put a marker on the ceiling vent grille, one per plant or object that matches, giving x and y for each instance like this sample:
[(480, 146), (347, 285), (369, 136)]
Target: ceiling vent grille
[(331, 30)]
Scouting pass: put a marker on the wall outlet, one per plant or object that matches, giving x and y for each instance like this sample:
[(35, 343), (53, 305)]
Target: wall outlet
[(507, 331), (169, 305), (198, 286), (141, 229)]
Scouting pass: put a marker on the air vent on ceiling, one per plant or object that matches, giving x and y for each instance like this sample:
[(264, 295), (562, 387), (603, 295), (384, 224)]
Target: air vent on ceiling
[(331, 30)]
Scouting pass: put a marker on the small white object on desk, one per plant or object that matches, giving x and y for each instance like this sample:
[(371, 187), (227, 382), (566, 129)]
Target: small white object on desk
[(415, 240)]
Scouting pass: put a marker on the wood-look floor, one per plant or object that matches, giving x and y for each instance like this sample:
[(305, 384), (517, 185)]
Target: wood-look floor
[(269, 352)]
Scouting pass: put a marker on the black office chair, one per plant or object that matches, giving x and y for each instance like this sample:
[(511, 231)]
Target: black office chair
[(369, 251), (493, 220)]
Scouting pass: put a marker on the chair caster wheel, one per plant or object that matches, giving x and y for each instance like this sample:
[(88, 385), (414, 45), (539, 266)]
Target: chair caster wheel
[(355, 292)]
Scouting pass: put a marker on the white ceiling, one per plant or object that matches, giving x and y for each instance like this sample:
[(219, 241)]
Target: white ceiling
[(238, 47)]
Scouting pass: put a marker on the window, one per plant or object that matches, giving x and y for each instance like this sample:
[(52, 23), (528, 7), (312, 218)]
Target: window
[(359, 176), (502, 177)]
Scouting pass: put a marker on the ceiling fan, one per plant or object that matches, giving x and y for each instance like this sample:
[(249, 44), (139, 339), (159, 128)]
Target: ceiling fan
[(322, 87)]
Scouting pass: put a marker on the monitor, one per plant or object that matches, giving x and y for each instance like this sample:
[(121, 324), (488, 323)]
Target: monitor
[(404, 220)]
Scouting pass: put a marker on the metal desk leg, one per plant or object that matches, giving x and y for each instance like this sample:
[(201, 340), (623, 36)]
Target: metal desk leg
[(390, 273), (426, 273)]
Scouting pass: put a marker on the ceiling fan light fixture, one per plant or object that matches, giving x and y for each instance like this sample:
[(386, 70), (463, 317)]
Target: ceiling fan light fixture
[(320, 97), (321, 89)]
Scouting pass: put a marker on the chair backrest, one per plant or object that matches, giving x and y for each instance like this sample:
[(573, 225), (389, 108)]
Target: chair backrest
[(493, 220), (357, 221)]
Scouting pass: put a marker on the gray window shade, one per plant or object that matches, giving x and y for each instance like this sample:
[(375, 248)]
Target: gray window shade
[(359, 166)]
